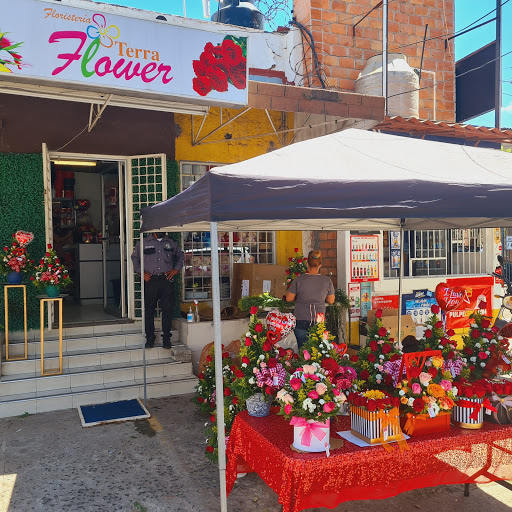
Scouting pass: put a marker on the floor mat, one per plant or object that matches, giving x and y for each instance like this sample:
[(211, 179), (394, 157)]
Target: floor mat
[(112, 412)]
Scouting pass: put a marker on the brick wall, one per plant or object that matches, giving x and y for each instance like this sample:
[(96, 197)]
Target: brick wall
[(327, 244), (342, 56)]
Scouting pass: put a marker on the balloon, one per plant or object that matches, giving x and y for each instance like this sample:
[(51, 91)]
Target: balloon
[(449, 298)]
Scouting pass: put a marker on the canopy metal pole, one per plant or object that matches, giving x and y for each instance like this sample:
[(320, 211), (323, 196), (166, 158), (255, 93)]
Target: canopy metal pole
[(219, 377), (400, 277), (143, 314)]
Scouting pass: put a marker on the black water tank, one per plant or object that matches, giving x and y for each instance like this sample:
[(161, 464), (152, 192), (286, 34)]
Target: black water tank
[(242, 13)]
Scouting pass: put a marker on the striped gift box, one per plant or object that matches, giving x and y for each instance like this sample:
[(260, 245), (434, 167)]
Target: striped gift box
[(368, 426), (461, 413)]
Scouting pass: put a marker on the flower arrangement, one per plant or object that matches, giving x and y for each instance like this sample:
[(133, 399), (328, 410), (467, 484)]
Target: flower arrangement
[(428, 390), (373, 400), (297, 266), (485, 351), (309, 394), (437, 338), (15, 258), (50, 271), (261, 369), (370, 360), (320, 348), (10, 56), (205, 397)]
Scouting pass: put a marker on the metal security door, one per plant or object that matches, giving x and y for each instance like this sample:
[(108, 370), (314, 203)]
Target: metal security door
[(146, 179)]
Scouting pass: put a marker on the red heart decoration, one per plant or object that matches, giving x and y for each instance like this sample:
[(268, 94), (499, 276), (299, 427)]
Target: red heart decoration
[(341, 348), (449, 298), (273, 337), (24, 237), (281, 323)]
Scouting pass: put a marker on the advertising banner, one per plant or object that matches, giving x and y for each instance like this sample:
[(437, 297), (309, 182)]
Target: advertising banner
[(364, 258), (385, 302), (418, 304), (366, 298), (354, 295), (52, 44), (472, 291)]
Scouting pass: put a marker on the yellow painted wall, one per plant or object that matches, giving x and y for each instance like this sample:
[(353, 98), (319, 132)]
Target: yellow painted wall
[(248, 127), (286, 242)]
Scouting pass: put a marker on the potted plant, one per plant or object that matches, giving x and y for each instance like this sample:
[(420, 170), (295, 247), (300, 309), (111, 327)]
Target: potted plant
[(15, 261), (50, 274), (309, 400)]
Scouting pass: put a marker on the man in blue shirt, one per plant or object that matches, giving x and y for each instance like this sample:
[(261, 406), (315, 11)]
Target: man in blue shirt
[(163, 259)]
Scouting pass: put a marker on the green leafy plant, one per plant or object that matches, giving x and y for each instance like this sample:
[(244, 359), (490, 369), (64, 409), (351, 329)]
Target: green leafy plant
[(265, 300), (335, 315)]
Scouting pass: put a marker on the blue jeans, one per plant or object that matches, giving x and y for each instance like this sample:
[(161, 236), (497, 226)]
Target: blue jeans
[(301, 331)]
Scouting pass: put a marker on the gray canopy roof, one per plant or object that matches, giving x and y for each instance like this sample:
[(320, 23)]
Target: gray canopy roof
[(353, 179)]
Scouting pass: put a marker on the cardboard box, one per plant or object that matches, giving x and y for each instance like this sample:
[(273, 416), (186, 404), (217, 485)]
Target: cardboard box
[(253, 279), (390, 321)]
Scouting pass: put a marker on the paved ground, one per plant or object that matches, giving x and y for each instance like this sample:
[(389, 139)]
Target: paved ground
[(50, 463)]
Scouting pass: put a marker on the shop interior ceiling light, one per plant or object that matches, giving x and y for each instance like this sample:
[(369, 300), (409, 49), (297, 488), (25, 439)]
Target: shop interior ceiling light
[(83, 163)]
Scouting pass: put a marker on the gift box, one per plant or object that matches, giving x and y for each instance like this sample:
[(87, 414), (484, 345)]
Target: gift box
[(310, 435), (468, 413), (423, 424), (375, 427), (503, 413)]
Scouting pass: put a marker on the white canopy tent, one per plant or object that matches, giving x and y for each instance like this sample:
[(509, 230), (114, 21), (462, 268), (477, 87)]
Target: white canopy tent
[(351, 180)]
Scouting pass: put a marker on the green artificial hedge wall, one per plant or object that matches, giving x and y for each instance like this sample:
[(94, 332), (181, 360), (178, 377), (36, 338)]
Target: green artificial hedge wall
[(22, 208)]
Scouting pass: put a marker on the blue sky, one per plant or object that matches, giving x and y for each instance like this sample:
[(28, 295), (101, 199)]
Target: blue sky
[(466, 11)]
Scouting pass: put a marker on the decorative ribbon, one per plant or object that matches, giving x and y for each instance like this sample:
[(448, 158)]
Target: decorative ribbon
[(390, 419), (410, 424), (265, 376), (505, 402), (310, 428), (476, 406)]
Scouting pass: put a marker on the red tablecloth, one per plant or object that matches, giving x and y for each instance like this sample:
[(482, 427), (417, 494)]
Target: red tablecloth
[(353, 473)]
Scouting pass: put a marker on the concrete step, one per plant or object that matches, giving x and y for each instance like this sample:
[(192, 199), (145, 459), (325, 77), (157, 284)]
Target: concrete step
[(76, 359), (82, 344), (72, 379), (95, 394)]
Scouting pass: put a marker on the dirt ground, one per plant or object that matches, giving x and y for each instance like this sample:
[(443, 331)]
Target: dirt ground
[(48, 462)]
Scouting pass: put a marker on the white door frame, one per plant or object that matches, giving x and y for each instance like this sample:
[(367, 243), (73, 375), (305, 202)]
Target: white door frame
[(121, 160)]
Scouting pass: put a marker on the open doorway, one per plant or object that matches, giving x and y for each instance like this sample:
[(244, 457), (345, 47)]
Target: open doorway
[(88, 232)]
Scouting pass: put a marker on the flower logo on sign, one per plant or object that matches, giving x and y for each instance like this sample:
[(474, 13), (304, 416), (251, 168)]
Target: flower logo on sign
[(8, 55), (106, 34)]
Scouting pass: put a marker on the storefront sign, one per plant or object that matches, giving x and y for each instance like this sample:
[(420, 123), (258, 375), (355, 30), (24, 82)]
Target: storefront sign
[(354, 295), (475, 290), (385, 302), (49, 43), (364, 258)]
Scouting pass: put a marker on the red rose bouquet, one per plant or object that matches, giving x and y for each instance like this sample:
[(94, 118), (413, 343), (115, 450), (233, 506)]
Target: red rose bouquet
[(206, 396), (221, 65), (15, 258), (297, 265), (472, 401), (436, 337), (373, 400), (261, 369), (50, 271), (485, 351), (371, 359)]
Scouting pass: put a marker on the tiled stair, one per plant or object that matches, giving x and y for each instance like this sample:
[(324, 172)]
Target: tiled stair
[(100, 364)]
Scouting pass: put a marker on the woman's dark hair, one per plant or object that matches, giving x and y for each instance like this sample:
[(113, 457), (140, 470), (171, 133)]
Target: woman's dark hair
[(314, 258)]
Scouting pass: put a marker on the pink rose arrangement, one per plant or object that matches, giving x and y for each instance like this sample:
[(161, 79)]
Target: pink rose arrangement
[(310, 394), (50, 271)]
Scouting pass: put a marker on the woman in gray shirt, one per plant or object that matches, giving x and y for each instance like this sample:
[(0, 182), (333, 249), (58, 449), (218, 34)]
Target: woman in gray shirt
[(310, 292)]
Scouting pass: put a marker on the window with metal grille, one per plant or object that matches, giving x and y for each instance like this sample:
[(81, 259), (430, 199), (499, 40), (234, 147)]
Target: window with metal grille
[(246, 247), (439, 252)]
